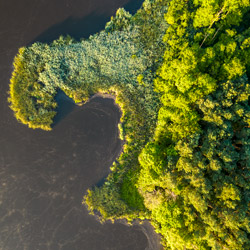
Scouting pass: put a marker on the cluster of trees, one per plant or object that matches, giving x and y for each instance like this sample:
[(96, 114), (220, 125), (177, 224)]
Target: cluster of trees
[(195, 174), (32, 105), (32, 102), (180, 72)]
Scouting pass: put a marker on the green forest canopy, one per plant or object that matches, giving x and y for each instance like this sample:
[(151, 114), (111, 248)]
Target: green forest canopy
[(180, 72)]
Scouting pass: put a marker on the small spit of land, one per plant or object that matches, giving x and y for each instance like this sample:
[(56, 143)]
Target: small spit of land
[(179, 71)]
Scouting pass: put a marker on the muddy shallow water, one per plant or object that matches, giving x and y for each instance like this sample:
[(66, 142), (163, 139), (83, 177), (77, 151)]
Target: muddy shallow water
[(43, 175)]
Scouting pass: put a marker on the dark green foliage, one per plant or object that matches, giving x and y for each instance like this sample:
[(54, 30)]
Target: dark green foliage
[(130, 193)]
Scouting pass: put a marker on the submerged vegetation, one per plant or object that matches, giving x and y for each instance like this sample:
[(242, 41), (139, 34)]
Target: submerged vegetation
[(180, 73)]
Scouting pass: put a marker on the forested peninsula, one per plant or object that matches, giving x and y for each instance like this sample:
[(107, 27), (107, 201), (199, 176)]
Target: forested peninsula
[(180, 73)]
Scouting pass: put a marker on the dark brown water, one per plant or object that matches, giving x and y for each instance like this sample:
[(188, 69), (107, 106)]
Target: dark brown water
[(43, 175)]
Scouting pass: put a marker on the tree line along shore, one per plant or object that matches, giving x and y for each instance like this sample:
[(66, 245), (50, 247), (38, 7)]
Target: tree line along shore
[(180, 73)]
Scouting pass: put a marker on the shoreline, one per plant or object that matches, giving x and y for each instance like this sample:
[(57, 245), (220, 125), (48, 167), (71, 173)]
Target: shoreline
[(153, 239)]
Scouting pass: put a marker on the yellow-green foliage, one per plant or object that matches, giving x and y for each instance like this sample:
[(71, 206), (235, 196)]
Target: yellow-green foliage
[(194, 176), (109, 195), (31, 106)]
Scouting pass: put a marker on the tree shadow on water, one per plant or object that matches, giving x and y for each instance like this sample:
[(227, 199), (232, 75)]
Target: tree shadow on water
[(82, 28), (65, 106), (75, 27), (133, 5)]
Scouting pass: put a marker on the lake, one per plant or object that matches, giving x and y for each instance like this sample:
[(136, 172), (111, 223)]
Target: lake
[(44, 175)]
